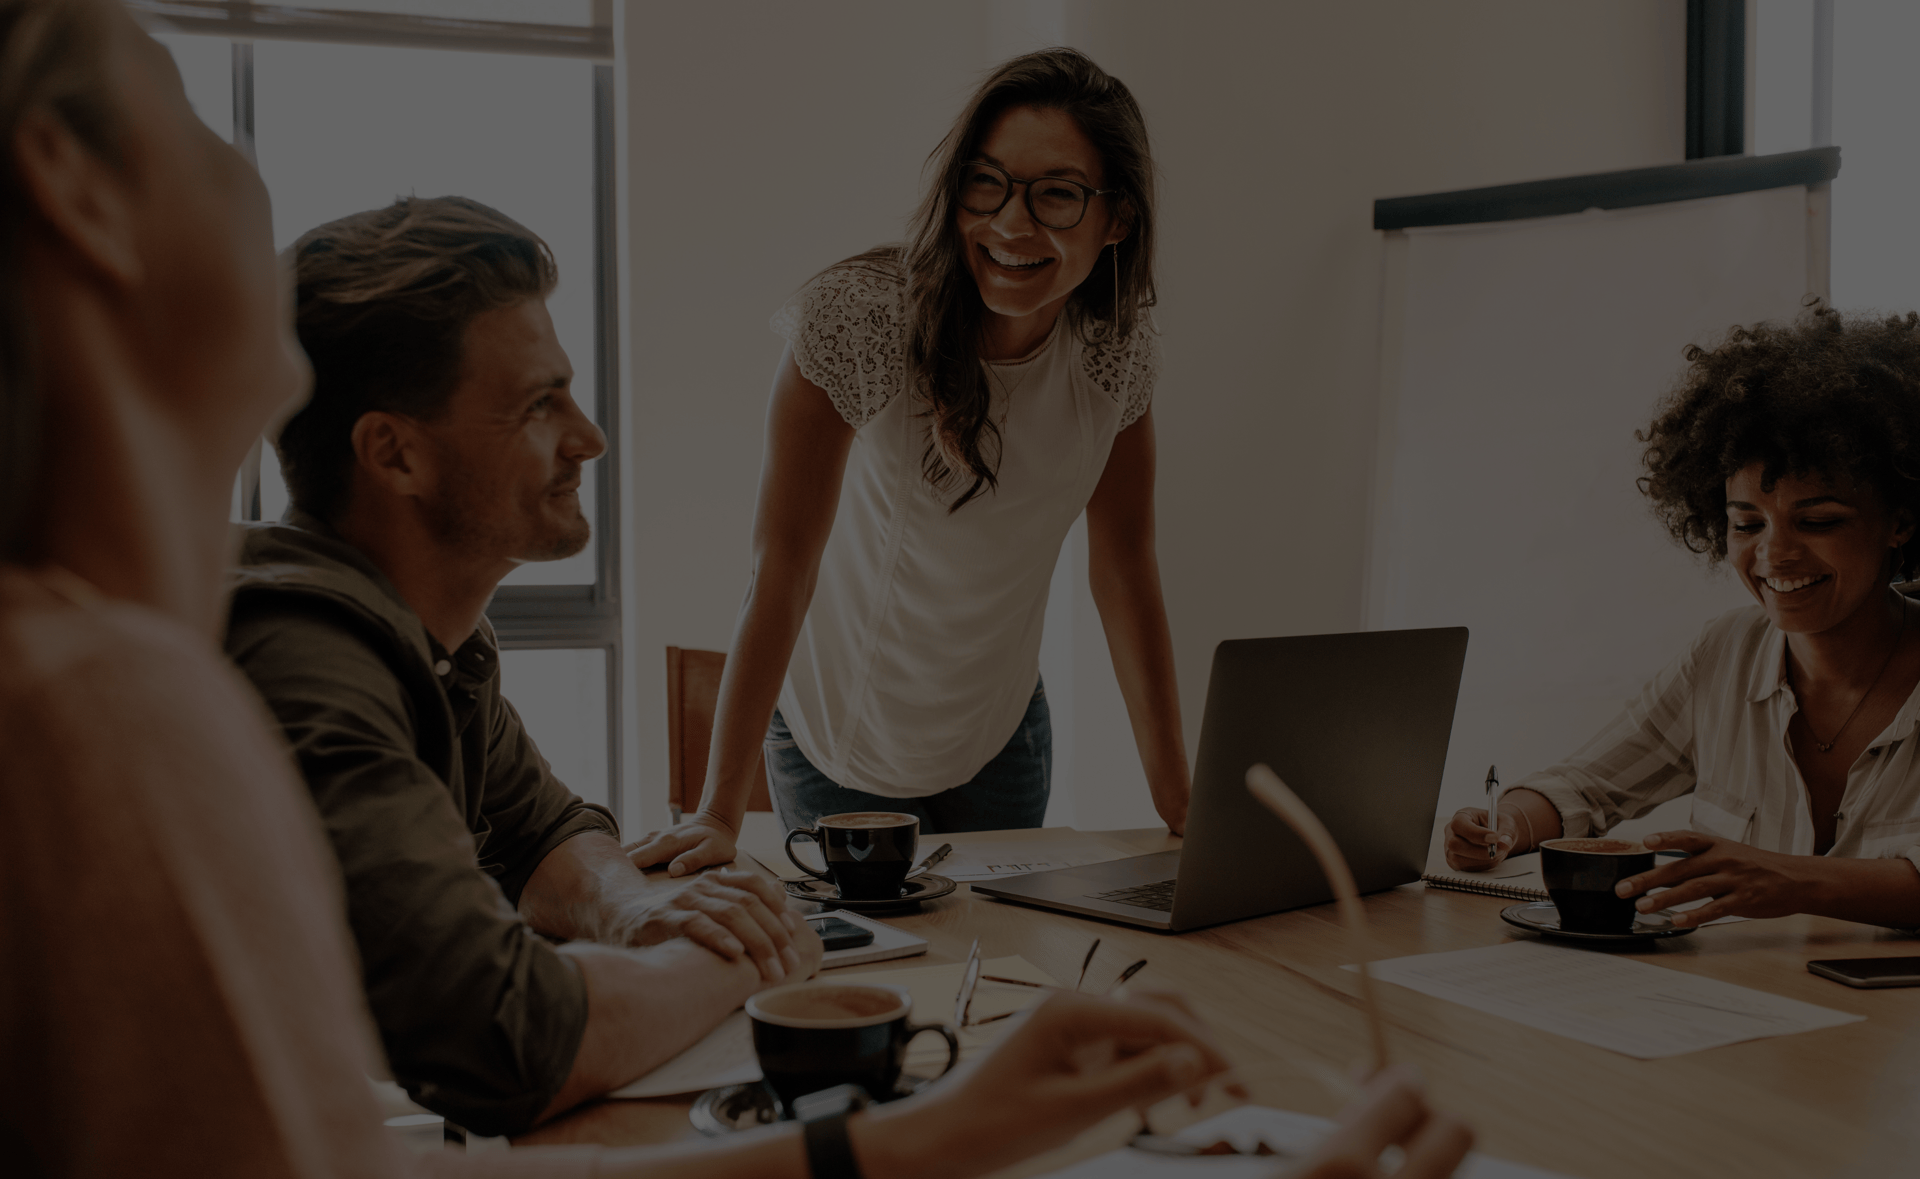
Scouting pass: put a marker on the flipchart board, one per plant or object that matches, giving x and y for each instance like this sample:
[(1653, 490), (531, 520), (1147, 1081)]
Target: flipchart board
[(1519, 357)]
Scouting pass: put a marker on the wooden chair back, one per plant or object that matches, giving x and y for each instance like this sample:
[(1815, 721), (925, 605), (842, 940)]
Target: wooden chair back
[(693, 691)]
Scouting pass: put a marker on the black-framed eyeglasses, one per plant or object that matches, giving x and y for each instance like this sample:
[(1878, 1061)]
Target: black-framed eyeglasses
[(1052, 201)]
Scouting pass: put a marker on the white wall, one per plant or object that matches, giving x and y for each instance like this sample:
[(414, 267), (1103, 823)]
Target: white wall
[(764, 142)]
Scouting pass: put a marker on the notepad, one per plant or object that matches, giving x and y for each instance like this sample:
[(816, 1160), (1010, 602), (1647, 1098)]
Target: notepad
[(725, 1055), (1639, 1010), (1517, 878)]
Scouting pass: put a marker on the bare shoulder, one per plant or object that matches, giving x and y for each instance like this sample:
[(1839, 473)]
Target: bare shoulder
[(47, 640), (104, 672)]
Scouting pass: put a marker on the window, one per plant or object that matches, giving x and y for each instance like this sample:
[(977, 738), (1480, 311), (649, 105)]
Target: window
[(343, 111), (1842, 74)]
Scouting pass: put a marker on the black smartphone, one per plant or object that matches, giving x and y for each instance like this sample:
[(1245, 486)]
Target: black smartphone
[(838, 934), (1869, 972)]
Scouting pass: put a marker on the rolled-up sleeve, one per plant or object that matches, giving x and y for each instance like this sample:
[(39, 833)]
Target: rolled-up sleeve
[(528, 811), (1639, 760), (479, 1016)]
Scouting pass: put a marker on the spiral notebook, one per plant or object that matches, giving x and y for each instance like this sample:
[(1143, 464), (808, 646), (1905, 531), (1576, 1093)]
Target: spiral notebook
[(1517, 879)]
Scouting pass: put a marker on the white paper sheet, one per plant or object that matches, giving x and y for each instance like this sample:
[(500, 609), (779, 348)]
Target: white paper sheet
[(1291, 1135), (1647, 1012), (1013, 853), (725, 1056)]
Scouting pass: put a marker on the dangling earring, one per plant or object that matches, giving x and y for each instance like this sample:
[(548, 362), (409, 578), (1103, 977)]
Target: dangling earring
[(1116, 290)]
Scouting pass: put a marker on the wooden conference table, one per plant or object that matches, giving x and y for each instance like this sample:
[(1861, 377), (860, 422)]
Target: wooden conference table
[(1272, 987)]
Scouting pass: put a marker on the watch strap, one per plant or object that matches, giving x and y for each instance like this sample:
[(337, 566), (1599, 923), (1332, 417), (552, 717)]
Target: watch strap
[(829, 1149)]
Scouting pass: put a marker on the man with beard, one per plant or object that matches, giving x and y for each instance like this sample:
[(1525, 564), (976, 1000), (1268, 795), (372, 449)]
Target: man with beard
[(442, 447)]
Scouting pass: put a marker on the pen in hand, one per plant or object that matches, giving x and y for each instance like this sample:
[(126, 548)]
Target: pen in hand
[(1493, 814)]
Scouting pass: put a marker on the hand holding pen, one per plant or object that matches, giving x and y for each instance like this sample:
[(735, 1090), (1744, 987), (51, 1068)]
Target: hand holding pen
[(1474, 839), (1493, 814)]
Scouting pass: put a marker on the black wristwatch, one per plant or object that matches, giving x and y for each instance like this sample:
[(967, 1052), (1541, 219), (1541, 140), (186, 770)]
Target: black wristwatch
[(829, 1150), (824, 1129)]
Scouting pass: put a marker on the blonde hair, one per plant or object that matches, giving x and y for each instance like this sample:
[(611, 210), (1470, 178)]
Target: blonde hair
[(52, 58)]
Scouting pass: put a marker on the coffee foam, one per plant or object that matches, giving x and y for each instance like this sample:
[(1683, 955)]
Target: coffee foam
[(1599, 847), (867, 820), (829, 1005)]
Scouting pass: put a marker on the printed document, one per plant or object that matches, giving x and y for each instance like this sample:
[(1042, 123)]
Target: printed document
[(1644, 1011)]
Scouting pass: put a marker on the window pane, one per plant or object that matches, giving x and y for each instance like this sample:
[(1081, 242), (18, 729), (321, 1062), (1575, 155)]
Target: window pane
[(273, 489), (343, 128), (206, 67), (561, 695), (539, 12), (1876, 249)]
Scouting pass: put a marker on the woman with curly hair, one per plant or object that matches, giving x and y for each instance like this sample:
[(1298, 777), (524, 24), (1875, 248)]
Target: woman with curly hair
[(1791, 453)]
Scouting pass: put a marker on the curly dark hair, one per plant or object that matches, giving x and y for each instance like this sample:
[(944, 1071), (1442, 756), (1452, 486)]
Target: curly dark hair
[(1828, 396)]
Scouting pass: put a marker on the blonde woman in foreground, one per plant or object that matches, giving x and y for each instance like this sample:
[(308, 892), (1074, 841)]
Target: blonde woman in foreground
[(179, 995)]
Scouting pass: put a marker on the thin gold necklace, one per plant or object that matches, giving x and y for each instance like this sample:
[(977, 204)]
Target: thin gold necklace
[(1825, 746), (1007, 391)]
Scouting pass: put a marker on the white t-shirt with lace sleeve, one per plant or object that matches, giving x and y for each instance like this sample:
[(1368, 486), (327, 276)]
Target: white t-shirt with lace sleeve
[(922, 643)]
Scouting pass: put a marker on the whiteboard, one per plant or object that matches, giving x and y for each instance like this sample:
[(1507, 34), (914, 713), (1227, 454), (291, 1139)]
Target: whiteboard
[(1518, 358)]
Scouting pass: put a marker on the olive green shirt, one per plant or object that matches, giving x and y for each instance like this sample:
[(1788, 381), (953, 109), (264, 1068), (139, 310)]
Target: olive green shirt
[(439, 808)]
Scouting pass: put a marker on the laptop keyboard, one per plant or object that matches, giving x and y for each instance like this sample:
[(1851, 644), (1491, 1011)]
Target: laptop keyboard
[(1158, 896)]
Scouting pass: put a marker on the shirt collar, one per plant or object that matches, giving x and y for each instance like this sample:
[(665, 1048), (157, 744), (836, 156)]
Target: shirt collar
[(1768, 676)]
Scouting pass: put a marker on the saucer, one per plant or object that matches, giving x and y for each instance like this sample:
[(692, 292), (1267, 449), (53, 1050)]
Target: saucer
[(1542, 918), (719, 1112), (921, 888)]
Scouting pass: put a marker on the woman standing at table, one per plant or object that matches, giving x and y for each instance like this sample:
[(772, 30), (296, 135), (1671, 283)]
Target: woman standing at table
[(942, 414), (1792, 453)]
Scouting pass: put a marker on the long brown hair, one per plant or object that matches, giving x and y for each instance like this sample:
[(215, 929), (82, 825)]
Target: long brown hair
[(945, 316), (52, 56)]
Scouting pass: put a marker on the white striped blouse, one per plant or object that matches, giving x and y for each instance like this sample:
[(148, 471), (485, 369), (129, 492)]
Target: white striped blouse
[(1714, 722)]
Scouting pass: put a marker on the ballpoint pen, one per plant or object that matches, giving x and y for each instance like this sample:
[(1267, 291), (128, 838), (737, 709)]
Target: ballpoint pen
[(1493, 812), (1086, 962), (969, 978), (926, 865)]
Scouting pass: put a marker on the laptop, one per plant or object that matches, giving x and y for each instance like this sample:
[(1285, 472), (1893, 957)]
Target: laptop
[(1356, 724)]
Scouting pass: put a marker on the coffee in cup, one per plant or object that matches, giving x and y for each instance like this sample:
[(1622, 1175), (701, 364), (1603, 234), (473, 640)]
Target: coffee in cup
[(1580, 875), (813, 1036), (868, 853)]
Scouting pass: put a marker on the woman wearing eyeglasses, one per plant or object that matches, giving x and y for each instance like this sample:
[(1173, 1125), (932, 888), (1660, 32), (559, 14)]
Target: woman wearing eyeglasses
[(944, 411)]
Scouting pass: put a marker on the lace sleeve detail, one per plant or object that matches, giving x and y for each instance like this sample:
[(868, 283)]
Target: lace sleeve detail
[(847, 328), (1124, 370)]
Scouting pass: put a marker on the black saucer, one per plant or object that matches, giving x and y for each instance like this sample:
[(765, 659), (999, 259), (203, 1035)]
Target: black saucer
[(1542, 918), (719, 1112), (921, 888)]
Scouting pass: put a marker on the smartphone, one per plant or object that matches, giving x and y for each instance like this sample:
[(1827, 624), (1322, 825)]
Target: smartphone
[(1870, 972), (838, 934)]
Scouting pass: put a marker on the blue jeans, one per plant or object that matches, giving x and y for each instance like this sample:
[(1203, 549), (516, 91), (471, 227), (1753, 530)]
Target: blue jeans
[(1009, 791)]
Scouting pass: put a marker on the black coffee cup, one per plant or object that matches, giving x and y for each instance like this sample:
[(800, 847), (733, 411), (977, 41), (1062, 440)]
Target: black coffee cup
[(1580, 875), (868, 853), (813, 1036)]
